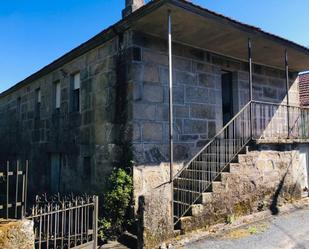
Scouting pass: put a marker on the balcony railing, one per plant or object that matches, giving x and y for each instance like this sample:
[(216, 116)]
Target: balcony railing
[(273, 122)]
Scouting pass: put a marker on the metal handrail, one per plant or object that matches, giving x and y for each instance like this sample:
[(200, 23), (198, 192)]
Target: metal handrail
[(200, 171), (278, 104), (198, 174)]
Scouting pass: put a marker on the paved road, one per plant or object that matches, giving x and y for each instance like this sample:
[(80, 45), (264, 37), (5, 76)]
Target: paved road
[(288, 231)]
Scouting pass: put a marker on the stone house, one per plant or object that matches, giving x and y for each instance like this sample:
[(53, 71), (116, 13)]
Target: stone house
[(240, 137)]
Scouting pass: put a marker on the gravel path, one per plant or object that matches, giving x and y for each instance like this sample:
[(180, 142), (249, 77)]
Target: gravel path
[(288, 231)]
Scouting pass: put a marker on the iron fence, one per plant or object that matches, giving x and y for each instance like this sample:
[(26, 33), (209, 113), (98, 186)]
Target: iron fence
[(65, 222), (13, 189)]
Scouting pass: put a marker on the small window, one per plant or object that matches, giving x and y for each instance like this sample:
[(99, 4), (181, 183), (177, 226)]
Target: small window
[(57, 95), (76, 93), (38, 99), (137, 54)]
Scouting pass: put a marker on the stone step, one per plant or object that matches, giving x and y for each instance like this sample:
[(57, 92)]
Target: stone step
[(242, 158), (186, 224), (196, 210), (234, 167), (217, 187), (192, 223), (207, 197), (223, 177)]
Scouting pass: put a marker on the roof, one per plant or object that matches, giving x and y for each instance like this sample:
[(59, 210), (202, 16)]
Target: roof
[(304, 89), (205, 29)]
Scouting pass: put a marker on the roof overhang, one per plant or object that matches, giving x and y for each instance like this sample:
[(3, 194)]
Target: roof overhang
[(201, 28), (196, 27)]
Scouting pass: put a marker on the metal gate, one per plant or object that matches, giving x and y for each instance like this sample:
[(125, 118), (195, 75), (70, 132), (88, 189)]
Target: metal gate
[(65, 222), (13, 189)]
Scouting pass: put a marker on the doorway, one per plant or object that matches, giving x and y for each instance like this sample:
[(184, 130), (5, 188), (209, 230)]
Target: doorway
[(227, 96), (55, 171)]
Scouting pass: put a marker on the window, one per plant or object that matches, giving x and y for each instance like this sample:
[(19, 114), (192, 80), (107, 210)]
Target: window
[(38, 99), (137, 54), (57, 95), (76, 93)]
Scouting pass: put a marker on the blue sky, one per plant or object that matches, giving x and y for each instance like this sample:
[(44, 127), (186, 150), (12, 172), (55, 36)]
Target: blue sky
[(35, 32)]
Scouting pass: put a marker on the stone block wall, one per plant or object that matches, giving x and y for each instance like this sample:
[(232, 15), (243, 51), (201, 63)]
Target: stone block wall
[(197, 96), (152, 201), (124, 109), (88, 141), (262, 180)]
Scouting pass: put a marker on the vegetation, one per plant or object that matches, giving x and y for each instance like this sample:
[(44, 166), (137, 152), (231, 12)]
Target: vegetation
[(116, 203)]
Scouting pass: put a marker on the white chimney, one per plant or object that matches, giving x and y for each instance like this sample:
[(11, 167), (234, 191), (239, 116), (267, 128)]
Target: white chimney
[(131, 6)]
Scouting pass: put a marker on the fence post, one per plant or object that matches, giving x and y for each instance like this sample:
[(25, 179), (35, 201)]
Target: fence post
[(16, 190), (26, 185), (250, 84), (7, 187), (287, 91), (95, 222)]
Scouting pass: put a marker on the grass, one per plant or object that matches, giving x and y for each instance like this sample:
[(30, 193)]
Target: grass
[(245, 232)]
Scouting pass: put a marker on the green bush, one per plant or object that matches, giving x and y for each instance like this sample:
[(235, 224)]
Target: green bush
[(116, 203)]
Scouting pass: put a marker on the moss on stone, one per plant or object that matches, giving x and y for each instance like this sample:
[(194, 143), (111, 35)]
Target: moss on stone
[(242, 208)]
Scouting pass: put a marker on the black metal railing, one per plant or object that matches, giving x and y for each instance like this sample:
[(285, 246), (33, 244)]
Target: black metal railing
[(13, 189), (65, 222), (196, 177), (257, 120)]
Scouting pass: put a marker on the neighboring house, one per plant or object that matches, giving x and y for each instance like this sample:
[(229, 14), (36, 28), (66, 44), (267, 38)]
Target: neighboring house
[(106, 103), (304, 89)]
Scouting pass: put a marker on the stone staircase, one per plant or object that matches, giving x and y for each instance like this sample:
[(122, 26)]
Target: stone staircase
[(202, 189), (205, 172), (203, 212)]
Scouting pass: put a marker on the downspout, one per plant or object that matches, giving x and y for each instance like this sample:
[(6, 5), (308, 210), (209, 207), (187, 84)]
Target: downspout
[(287, 91), (250, 85)]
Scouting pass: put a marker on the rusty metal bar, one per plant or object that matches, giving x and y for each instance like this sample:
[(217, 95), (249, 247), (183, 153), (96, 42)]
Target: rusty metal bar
[(26, 185), (95, 224), (250, 82), (170, 65), (7, 188), (287, 88), (16, 190)]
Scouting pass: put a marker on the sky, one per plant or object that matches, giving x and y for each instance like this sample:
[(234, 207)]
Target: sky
[(33, 33)]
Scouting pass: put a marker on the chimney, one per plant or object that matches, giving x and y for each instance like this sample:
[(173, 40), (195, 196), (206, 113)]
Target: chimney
[(131, 6)]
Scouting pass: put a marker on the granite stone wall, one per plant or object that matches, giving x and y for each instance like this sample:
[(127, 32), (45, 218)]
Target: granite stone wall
[(124, 109), (262, 180), (90, 142), (16, 234), (197, 96)]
